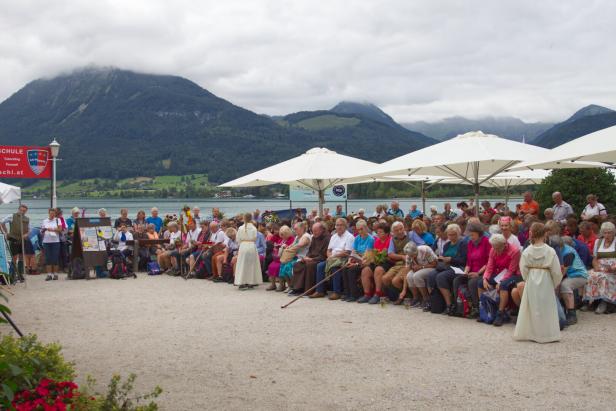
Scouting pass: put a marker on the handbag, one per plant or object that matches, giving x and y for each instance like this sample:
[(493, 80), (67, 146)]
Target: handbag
[(217, 248), (441, 266), (288, 254), (488, 306)]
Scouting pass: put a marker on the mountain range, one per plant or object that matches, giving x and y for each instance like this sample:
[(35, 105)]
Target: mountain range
[(115, 123), (508, 127)]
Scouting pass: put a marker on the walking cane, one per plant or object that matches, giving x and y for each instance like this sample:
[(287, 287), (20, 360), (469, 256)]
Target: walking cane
[(10, 321), (196, 260), (312, 288)]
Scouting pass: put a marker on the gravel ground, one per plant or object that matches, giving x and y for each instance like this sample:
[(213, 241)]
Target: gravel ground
[(210, 346)]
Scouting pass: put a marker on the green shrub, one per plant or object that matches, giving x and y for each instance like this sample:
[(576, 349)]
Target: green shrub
[(575, 184), (119, 396), (25, 361)]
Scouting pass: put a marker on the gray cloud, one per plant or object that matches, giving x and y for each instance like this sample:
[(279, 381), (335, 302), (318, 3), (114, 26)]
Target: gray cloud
[(418, 60)]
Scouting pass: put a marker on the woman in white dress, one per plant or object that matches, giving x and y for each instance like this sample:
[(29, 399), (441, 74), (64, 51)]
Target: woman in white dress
[(540, 268), (248, 267)]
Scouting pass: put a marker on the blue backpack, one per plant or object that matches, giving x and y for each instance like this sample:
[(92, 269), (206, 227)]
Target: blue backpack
[(153, 268), (488, 306)]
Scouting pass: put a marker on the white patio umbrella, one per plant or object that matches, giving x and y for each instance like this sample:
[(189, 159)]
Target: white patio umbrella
[(598, 147), (9, 193), (474, 157), (317, 169)]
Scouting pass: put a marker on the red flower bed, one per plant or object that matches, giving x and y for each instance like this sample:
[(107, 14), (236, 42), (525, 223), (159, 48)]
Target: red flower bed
[(47, 396)]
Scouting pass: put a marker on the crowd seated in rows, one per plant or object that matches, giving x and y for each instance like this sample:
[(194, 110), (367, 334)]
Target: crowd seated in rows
[(426, 262)]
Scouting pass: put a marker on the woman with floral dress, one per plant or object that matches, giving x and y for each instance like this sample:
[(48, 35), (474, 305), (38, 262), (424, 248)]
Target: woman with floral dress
[(601, 284)]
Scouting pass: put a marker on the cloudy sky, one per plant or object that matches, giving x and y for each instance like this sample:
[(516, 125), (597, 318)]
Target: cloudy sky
[(418, 60)]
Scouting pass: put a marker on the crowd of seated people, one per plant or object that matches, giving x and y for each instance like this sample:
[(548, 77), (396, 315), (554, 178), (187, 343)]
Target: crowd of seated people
[(393, 256)]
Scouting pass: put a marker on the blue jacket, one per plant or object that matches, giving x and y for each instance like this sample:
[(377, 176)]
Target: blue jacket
[(577, 268), (583, 252), (459, 260)]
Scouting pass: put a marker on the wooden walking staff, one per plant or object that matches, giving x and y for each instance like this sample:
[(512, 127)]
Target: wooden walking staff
[(312, 288)]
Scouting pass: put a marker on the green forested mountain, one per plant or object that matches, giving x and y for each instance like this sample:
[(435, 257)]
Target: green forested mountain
[(114, 123), (586, 120)]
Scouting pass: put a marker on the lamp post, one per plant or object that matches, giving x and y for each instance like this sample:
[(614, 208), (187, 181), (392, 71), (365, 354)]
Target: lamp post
[(54, 146)]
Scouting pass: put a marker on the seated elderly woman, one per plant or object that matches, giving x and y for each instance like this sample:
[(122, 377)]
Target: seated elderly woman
[(421, 261), (298, 249), (451, 263), (601, 285), (502, 272), (381, 263), (478, 250), (360, 260), (280, 242), (420, 235)]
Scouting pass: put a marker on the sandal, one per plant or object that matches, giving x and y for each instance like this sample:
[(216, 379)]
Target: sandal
[(398, 301)]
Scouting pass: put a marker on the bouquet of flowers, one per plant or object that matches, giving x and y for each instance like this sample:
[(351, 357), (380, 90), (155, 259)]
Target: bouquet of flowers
[(380, 257)]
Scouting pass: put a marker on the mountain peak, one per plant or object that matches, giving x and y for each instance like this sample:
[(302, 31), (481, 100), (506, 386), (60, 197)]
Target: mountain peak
[(590, 110), (365, 109)]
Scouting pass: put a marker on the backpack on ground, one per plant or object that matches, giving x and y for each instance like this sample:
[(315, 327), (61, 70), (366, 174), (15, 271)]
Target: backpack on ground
[(488, 306), (153, 268), (437, 302), (76, 270), (119, 269), (463, 307), (200, 270), (227, 273)]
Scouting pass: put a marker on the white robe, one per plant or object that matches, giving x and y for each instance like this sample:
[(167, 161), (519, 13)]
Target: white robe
[(538, 315), (248, 266)]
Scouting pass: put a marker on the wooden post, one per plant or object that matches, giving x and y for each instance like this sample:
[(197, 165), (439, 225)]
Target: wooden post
[(136, 256)]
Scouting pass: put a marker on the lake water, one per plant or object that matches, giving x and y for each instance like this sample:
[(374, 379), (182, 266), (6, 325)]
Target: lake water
[(38, 208)]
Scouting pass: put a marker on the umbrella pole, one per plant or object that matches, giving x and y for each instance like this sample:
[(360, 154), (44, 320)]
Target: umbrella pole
[(476, 199), (321, 201), (507, 196), (23, 244), (423, 197)]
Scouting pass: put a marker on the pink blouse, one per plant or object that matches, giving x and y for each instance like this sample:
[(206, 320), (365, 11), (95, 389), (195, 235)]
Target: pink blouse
[(508, 260), (478, 255)]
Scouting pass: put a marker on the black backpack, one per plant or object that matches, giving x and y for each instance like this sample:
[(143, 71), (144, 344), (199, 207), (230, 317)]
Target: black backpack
[(76, 270), (437, 302)]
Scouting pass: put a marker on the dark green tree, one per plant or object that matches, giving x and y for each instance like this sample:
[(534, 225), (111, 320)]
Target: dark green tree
[(575, 185)]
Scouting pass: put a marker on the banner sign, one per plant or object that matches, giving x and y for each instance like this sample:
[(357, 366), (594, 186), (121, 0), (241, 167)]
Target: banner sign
[(333, 194), (25, 162)]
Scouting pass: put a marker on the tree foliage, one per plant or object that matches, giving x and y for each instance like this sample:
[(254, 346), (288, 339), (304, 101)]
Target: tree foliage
[(575, 185)]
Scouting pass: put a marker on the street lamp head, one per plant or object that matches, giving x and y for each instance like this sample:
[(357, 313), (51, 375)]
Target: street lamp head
[(55, 148)]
